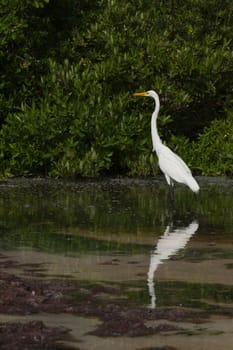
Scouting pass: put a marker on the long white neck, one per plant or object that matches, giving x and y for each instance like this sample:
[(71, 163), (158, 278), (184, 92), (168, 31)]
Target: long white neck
[(156, 141)]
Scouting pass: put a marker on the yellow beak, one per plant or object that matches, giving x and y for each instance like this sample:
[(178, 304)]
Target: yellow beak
[(140, 93)]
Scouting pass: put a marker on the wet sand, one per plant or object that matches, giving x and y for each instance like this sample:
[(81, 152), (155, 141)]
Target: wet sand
[(117, 267), (213, 333)]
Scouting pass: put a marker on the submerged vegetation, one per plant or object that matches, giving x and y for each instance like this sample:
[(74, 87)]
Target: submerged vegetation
[(68, 71)]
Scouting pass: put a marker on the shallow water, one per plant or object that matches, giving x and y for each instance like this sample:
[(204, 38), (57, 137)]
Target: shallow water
[(124, 232)]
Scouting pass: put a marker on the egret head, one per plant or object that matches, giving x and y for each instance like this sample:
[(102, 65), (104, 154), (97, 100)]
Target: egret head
[(150, 93)]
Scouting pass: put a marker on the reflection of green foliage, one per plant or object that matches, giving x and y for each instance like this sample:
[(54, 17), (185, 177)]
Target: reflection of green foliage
[(196, 255), (190, 294), (65, 244), (173, 293), (229, 266), (31, 212)]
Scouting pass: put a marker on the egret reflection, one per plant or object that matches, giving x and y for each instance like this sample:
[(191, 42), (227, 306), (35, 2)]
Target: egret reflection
[(168, 245)]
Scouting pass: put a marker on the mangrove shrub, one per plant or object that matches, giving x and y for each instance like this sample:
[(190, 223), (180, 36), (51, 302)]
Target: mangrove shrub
[(69, 69)]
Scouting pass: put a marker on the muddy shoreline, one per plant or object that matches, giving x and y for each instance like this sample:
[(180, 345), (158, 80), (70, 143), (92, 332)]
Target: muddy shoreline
[(118, 316), (106, 182)]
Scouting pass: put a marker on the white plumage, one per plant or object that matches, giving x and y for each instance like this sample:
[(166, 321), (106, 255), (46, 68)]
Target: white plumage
[(173, 167)]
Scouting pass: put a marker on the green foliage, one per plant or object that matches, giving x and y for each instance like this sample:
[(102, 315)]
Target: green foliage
[(31, 139), (212, 152), (70, 69), (214, 149)]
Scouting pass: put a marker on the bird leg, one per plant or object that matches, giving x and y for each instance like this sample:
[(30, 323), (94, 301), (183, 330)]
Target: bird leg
[(171, 195)]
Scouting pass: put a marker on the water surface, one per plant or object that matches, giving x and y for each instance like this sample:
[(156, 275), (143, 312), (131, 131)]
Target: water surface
[(123, 232)]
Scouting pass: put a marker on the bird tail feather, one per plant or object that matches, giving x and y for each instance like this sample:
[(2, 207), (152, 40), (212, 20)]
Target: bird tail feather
[(192, 184)]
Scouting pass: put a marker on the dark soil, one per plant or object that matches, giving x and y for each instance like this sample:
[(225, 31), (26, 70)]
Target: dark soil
[(31, 335), (160, 348), (25, 296), (19, 296)]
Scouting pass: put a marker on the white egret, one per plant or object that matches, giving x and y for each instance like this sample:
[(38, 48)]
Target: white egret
[(173, 167)]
